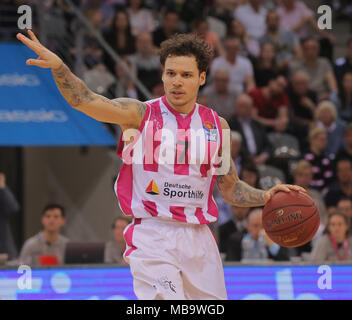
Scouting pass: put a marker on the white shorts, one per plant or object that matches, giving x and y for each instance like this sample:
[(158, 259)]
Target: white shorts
[(171, 260)]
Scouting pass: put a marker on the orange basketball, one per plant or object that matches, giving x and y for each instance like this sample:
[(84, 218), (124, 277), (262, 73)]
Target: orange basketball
[(291, 219)]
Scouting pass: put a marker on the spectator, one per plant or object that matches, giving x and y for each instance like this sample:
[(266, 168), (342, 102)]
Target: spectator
[(346, 151), (114, 249), (255, 140), (343, 99), (48, 242), (321, 164), (302, 176), (319, 70), (250, 174), (342, 188), (302, 107), (286, 43), (336, 244), (8, 207), (141, 18), (265, 66), (249, 47), (240, 68), (326, 117), (271, 105), (236, 224), (238, 154), (254, 245), (145, 62), (345, 205), (169, 27), (343, 65), (220, 97), (201, 29), (252, 16), (120, 38)]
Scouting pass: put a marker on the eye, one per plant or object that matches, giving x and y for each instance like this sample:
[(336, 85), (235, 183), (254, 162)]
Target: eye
[(170, 73), (187, 75)]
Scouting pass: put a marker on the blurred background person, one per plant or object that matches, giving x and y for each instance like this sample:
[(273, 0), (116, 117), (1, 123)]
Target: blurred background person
[(250, 174), (254, 136), (240, 68), (343, 65), (8, 207), (336, 243), (49, 241), (254, 245), (141, 18), (343, 98), (326, 117), (170, 25), (322, 165), (115, 248), (346, 149), (220, 96)]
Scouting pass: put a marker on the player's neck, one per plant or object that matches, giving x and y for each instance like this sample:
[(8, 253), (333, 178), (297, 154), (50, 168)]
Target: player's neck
[(185, 109)]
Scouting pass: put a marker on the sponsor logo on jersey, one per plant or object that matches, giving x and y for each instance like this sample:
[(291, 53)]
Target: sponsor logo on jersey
[(211, 133), (152, 188)]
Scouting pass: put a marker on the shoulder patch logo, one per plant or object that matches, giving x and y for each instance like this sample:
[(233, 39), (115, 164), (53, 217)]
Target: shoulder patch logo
[(152, 188)]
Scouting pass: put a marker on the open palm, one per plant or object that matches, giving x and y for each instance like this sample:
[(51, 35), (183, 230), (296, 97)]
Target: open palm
[(46, 58)]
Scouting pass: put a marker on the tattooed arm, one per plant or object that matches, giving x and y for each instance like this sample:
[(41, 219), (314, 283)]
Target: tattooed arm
[(240, 194), (126, 112)]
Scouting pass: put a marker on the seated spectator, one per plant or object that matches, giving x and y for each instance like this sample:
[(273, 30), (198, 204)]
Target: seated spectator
[(336, 244), (321, 77), (342, 188), (271, 105), (114, 249), (220, 97), (120, 38), (48, 242), (141, 18), (286, 43), (250, 175), (345, 205), (236, 224), (326, 117), (8, 207), (145, 63), (346, 151), (321, 164), (239, 154), (254, 245), (265, 66), (255, 140), (201, 29), (240, 68), (249, 47), (169, 27), (252, 15), (302, 107), (343, 99), (343, 65)]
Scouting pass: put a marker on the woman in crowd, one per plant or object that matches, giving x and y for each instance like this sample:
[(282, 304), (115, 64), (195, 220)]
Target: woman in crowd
[(343, 99), (336, 243)]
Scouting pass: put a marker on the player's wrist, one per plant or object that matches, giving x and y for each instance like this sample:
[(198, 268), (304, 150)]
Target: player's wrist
[(57, 65)]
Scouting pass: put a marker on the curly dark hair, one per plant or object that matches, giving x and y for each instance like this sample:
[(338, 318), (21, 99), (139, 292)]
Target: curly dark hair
[(187, 45)]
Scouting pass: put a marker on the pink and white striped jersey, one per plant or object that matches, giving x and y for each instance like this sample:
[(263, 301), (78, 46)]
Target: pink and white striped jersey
[(168, 169)]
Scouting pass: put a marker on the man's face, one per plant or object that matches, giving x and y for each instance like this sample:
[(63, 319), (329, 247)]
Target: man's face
[(311, 49), (319, 141), (171, 22), (144, 43), (277, 86), (345, 205), (221, 81), (272, 21), (255, 226), (344, 171), (240, 213), (120, 225), (53, 220), (243, 108), (303, 177), (348, 138), (326, 117), (181, 79), (300, 85), (337, 227), (232, 46)]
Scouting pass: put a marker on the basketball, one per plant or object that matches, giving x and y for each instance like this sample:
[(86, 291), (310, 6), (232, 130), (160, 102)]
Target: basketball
[(291, 219)]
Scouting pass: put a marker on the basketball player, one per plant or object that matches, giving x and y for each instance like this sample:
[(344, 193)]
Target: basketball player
[(170, 249)]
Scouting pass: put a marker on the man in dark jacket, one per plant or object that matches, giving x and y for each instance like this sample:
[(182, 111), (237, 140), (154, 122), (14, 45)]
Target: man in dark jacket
[(8, 206)]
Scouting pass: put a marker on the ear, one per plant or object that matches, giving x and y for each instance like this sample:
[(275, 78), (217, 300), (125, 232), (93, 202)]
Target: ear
[(203, 78)]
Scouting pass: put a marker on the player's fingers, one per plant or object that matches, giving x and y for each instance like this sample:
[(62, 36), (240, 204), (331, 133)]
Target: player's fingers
[(29, 43), (33, 36), (36, 62)]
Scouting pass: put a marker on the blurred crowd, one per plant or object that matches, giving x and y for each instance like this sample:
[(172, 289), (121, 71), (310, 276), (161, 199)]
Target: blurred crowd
[(273, 77)]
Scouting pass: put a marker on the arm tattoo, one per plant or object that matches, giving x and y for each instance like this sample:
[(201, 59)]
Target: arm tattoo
[(245, 195), (71, 87)]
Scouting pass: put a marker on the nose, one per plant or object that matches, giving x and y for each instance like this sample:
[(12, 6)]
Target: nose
[(177, 81)]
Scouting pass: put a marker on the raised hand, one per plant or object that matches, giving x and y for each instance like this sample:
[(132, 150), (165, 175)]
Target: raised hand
[(46, 58)]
